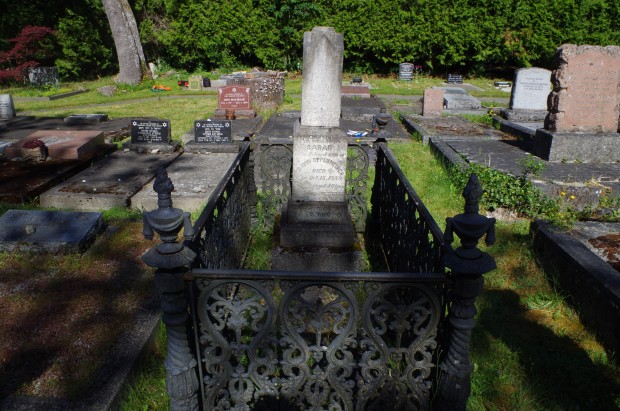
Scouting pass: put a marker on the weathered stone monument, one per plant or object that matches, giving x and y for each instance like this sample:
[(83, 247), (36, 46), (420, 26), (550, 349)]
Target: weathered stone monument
[(584, 106), (528, 101), (433, 102), (7, 108), (316, 230)]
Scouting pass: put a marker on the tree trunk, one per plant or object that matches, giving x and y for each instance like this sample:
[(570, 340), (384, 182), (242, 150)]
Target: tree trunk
[(131, 60)]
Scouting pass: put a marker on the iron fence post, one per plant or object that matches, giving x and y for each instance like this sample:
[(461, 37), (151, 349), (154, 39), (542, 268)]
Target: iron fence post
[(172, 259), (467, 264)]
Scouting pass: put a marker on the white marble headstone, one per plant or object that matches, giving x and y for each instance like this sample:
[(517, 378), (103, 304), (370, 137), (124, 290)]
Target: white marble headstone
[(7, 109), (530, 89)]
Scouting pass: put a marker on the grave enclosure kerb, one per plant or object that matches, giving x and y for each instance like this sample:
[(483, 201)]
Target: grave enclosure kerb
[(230, 314)]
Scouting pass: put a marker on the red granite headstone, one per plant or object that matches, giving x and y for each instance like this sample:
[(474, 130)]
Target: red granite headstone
[(586, 90), (234, 97), (433, 102), (61, 144)]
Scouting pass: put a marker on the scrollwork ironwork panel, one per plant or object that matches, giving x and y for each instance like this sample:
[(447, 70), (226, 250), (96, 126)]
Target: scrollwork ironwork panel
[(222, 231), (317, 345), (410, 238), (276, 163), (356, 184)]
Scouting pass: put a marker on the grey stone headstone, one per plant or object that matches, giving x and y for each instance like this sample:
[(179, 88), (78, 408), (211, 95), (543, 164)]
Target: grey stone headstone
[(48, 231), (531, 89), (322, 77), (7, 109), (405, 71), (42, 76)]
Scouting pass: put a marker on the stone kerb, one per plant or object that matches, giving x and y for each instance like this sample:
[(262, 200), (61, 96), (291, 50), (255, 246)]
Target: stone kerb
[(586, 90), (322, 77)]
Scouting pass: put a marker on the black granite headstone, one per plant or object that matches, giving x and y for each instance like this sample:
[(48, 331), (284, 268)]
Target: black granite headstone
[(213, 131), (150, 131), (405, 71)]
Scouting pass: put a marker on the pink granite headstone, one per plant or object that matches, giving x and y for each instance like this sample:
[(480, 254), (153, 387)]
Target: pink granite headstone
[(433, 102), (61, 144), (586, 90), (233, 97)]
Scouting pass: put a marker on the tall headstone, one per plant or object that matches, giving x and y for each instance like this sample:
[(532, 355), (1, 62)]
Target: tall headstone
[(528, 101), (584, 107), (7, 109), (316, 230), (405, 71), (320, 147)]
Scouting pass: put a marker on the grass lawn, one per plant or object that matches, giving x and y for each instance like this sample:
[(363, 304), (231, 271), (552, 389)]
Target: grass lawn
[(530, 350)]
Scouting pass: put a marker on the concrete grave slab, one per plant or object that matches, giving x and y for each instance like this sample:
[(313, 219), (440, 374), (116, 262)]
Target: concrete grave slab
[(360, 109), (194, 176), (109, 183), (450, 128), (85, 119), (455, 98), (113, 129), (48, 231), (62, 144)]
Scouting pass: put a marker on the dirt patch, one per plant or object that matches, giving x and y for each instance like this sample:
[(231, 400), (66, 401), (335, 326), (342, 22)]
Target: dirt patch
[(609, 249), (62, 314)]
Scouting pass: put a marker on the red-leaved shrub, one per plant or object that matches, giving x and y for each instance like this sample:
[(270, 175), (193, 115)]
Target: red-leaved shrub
[(33, 46)]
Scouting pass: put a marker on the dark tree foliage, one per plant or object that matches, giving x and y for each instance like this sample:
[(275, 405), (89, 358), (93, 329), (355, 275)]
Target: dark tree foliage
[(470, 36), (31, 48)]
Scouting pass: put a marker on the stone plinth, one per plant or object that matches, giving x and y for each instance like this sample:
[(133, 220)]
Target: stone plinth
[(576, 146), (48, 231), (322, 77), (586, 90), (61, 144), (433, 102), (319, 164)]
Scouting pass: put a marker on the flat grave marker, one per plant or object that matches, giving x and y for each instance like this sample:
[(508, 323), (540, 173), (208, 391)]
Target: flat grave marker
[(48, 231), (61, 144), (85, 119)]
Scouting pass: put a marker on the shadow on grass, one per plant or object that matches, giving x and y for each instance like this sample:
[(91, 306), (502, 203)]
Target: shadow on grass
[(560, 374)]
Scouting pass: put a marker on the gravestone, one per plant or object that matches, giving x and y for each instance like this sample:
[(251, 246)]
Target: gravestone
[(584, 107), (455, 79), (455, 98), (528, 101), (234, 100), (212, 131), (151, 135), (48, 231), (85, 119), (61, 144), (316, 219), (433, 102), (43, 76), (405, 71), (195, 83), (7, 108)]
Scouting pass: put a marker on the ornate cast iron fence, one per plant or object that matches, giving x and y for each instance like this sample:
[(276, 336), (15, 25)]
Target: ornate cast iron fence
[(240, 339), (410, 238)]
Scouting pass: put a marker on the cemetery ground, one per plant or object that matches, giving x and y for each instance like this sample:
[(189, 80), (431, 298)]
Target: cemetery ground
[(530, 350)]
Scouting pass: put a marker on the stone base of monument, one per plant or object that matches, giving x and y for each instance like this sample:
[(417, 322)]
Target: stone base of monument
[(153, 148), (576, 146), (220, 114), (523, 115), (205, 148), (316, 236)]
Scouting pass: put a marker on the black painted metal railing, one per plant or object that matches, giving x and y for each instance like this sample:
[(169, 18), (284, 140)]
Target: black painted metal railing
[(242, 339)]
